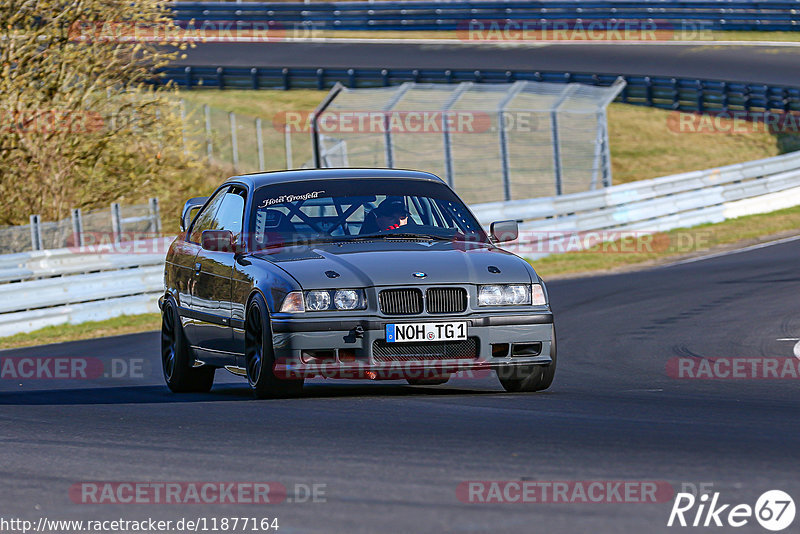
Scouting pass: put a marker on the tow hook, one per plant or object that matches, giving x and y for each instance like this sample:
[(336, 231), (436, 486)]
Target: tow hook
[(358, 331)]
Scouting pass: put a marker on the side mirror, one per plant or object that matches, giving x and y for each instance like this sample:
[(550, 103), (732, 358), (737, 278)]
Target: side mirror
[(190, 210), (218, 241), (504, 231)]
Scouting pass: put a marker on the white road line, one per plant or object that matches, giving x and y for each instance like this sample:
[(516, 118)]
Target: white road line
[(730, 252)]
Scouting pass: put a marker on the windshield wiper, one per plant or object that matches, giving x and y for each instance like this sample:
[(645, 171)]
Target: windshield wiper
[(404, 235)]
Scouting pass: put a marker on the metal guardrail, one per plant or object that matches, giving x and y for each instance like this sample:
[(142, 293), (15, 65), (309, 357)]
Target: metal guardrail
[(70, 285), (683, 94), (772, 15), (63, 286), (650, 206)]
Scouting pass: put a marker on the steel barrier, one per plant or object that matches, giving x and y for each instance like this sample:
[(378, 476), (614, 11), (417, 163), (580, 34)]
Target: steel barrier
[(772, 15)]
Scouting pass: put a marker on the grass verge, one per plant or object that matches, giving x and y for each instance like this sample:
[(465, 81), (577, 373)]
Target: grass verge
[(126, 324), (632, 254)]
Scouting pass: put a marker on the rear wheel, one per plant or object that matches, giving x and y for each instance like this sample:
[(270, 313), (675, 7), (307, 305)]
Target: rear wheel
[(260, 358), (529, 378), (177, 360)]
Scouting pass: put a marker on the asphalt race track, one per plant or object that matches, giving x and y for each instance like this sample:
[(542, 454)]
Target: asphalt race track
[(392, 455), (768, 64)]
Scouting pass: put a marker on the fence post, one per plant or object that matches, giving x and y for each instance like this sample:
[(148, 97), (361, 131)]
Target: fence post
[(116, 222), (504, 157), (568, 90), (556, 150), (387, 133), (209, 148), (287, 143), (36, 233), (155, 215), (77, 228), (448, 149), (260, 145), (234, 144)]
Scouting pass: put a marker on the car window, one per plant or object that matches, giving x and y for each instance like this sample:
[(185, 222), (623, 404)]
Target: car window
[(205, 220), (339, 209), (231, 212)]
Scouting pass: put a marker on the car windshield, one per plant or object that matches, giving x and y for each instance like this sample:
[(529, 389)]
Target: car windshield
[(341, 209)]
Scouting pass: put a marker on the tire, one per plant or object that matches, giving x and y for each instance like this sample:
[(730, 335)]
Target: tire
[(177, 358), (260, 358), (428, 381), (529, 378)]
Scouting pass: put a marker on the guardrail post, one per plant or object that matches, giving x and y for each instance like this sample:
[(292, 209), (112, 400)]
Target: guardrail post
[(36, 233), (220, 78), (700, 97), (188, 71), (260, 145), (234, 143), (287, 143), (254, 77), (77, 228), (320, 79), (209, 147), (285, 79), (155, 215), (116, 222), (351, 78)]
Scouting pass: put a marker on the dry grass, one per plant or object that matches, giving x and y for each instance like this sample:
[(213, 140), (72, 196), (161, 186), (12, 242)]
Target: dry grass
[(675, 244), (644, 146), (126, 324)]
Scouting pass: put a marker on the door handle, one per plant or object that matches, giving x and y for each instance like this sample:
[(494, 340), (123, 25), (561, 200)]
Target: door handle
[(197, 267)]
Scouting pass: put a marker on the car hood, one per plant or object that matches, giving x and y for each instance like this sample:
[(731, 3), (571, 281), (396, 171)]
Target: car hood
[(385, 263)]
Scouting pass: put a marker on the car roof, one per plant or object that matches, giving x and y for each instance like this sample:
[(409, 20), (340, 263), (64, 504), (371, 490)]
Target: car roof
[(258, 179)]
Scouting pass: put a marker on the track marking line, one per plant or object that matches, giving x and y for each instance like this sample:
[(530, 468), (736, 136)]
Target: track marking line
[(731, 252)]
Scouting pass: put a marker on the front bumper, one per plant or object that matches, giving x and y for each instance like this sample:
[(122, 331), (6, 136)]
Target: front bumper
[(356, 348)]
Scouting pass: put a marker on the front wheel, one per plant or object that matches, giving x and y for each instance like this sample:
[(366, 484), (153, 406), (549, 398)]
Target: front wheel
[(527, 378), (176, 357), (260, 358)]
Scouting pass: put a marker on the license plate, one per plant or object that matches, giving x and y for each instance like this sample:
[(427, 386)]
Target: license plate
[(408, 332)]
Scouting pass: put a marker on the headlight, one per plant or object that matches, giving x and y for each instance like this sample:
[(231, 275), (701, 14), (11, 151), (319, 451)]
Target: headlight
[(504, 295), (347, 299), (335, 299), (293, 303), (318, 300)]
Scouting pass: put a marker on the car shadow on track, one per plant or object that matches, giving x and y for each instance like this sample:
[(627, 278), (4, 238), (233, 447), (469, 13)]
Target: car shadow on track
[(157, 394)]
